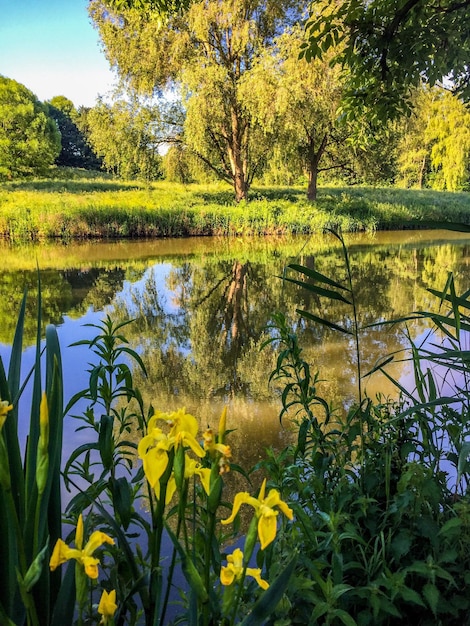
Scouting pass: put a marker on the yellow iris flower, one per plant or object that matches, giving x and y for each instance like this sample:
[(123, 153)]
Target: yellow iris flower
[(62, 552), (191, 468), (4, 409), (107, 606), (234, 570), (154, 447), (264, 509)]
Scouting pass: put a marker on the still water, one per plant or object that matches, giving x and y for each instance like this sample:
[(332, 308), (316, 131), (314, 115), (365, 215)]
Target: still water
[(201, 306)]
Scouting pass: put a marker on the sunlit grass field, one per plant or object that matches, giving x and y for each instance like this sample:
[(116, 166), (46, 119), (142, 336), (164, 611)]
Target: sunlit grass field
[(102, 207)]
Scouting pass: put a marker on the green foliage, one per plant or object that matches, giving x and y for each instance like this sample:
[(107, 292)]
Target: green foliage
[(298, 100), (106, 208), (75, 150), (207, 52), (381, 493), (434, 150), (125, 135), (389, 47), (30, 503), (29, 139)]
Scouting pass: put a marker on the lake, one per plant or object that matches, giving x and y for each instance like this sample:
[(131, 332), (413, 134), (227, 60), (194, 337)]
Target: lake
[(201, 307)]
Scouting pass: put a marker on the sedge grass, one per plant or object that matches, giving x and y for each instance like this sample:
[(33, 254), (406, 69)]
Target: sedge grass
[(104, 208)]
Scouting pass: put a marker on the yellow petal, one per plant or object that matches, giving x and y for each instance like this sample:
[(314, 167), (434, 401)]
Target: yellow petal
[(236, 558), (205, 476), (170, 490), (144, 444), (286, 509), (79, 532), (155, 463), (4, 409), (91, 566), (227, 576), (96, 539), (242, 497), (61, 554), (274, 499), (222, 425), (185, 422), (262, 490), (267, 526), (44, 419), (256, 574), (107, 606), (187, 439)]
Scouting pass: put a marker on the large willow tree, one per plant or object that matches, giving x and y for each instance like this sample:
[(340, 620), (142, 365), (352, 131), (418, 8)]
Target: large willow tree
[(207, 52)]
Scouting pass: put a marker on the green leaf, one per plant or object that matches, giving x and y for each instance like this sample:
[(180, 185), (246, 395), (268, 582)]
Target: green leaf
[(268, 601), (122, 499), (410, 595), (191, 574), (323, 322), (319, 291), (316, 276), (463, 458), (431, 594), (64, 607)]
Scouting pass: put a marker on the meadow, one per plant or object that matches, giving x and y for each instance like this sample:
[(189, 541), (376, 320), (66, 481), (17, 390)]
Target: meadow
[(75, 207)]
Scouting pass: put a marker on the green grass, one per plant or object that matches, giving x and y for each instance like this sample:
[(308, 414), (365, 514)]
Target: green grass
[(76, 207)]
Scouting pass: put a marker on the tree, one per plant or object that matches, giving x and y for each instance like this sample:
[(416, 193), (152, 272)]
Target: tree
[(207, 51), (124, 135), (435, 146), (306, 99), (29, 139), (75, 150), (388, 47)]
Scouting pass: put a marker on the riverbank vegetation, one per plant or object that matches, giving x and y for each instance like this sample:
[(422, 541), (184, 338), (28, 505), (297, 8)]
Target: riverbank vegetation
[(364, 519), (78, 207)]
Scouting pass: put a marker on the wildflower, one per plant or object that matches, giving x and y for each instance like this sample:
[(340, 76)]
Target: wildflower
[(217, 449), (4, 410), (264, 509), (5, 481), (191, 468), (154, 447), (107, 606), (234, 570), (63, 553)]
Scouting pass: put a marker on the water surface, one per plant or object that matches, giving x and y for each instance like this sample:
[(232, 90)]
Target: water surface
[(201, 307)]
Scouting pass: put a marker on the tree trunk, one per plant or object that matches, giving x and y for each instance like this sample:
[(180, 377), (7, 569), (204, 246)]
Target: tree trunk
[(312, 182), (313, 162), (235, 150), (240, 186), (421, 173)]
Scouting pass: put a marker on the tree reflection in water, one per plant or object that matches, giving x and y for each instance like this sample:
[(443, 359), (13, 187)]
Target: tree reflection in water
[(201, 309)]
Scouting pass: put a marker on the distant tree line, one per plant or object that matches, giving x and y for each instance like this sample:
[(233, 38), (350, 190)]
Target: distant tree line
[(216, 90)]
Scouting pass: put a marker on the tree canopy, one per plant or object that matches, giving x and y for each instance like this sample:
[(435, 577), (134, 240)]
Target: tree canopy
[(207, 52), (389, 46), (75, 150), (29, 138), (125, 135)]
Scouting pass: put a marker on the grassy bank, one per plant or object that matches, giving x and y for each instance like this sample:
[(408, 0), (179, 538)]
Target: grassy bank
[(105, 208)]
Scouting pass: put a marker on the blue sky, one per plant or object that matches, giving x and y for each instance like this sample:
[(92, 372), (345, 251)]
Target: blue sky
[(51, 47)]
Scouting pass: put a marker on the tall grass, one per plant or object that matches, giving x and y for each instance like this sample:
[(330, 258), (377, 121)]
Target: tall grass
[(104, 208)]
